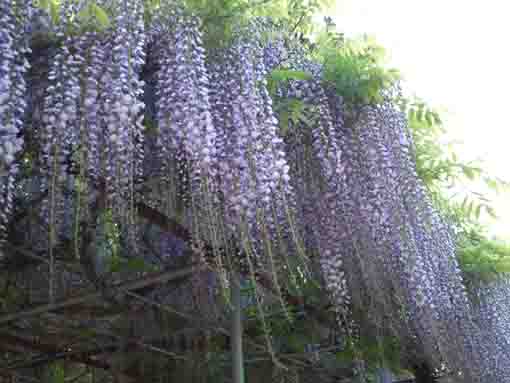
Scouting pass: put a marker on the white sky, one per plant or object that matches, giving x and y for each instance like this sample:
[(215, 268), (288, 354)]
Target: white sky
[(454, 54)]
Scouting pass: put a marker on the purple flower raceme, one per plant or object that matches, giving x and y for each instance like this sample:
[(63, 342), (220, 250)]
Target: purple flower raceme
[(92, 114), (384, 239), (59, 133), (92, 130), (14, 47)]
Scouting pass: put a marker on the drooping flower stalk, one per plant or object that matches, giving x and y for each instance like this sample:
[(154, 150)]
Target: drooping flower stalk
[(15, 16)]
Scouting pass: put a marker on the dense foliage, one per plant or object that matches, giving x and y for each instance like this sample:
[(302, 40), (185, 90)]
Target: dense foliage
[(269, 150)]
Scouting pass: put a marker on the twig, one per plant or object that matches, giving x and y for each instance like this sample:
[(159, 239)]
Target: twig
[(300, 20)]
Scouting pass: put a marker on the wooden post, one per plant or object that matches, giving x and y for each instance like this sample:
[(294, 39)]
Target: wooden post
[(236, 337)]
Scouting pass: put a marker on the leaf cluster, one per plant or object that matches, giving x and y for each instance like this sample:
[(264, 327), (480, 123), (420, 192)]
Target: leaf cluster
[(92, 16), (109, 242), (483, 259), (380, 352), (290, 111), (56, 373), (298, 15), (355, 69), (220, 17), (440, 168), (283, 76), (52, 7)]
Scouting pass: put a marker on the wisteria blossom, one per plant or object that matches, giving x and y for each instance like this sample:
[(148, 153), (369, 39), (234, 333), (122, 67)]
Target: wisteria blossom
[(143, 112)]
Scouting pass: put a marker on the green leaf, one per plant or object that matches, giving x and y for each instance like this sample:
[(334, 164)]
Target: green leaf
[(114, 264), (469, 208), (84, 15), (464, 202), (437, 118), (54, 11), (136, 264), (478, 211), (468, 172), (412, 115), (43, 4), (297, 342), (492, 184), (419, 114), (285, 75), (284, 122), (57, 374), (490, 210), (100, 15), (429, 118)]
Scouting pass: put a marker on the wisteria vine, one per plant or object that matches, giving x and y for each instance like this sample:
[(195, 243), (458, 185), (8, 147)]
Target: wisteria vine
[(205, 132)]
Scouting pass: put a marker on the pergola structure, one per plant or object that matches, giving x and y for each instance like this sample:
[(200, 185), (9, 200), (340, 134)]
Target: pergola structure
[(94, 330)]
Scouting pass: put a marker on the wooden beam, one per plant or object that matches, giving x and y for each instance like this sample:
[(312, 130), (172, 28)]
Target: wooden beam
[(164, 222), (138, 284), (23, 344)]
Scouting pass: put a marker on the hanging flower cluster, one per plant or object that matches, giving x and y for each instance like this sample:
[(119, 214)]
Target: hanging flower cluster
[(186, 130), (405, 251), (187, 138), (318, 161), (254, 167), (217, 118), (378, 235), (59, 132), (491, 312), (122, 113), (92, 114), (15, 16)]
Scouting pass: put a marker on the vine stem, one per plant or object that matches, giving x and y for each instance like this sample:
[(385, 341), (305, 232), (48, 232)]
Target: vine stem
[(52, 230)]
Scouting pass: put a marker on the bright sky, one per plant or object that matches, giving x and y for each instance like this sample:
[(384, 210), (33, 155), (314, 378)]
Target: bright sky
[(454, 54)]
